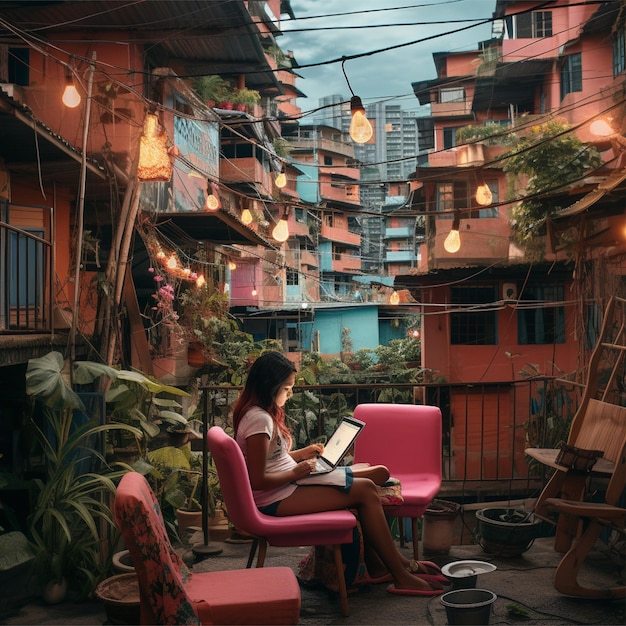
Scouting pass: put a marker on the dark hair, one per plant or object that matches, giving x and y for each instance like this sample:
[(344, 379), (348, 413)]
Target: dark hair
[(265, 378)]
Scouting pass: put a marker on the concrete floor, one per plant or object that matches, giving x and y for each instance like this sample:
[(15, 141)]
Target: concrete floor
[(524, 581)]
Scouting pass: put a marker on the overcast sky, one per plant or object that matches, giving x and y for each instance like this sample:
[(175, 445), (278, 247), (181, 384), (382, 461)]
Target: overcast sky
[(386, 74)]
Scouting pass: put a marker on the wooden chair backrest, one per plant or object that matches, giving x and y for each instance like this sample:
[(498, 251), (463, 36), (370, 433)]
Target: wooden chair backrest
[(600, 422)]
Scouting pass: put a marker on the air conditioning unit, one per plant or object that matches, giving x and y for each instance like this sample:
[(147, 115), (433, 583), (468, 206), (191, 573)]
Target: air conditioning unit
[(509, 291)]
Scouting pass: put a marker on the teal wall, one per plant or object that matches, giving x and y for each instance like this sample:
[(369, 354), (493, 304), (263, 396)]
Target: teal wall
[(307, 185), (362, 322)]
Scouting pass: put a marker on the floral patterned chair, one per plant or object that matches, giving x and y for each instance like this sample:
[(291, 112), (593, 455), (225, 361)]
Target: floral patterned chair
[(171, 594)]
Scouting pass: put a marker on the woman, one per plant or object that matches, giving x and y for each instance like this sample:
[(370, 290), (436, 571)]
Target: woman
[(261, 432)]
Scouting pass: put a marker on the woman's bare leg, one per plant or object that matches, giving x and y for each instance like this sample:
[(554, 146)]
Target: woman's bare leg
[(364, 497), (378, 474)]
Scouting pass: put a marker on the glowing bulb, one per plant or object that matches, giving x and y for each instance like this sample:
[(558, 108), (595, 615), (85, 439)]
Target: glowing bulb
[(160, 254), (172, 262), (484, 195), (232, 265), (187, 271), (71, 98), (200, 281), (281, 180), (452, 243), (246, 216), (254, 291), (281, 230), (212, 203), (361, 130), (394, 298), (601, 128)]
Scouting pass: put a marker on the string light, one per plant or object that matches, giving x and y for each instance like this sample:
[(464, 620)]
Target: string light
[(71, 98), (452, 243), (281, 180), (246, 217), (394, 298), (361, 130), (213, 199), (254, 291), (484, 195), (172, 262), (281, 230), (232, 266), (200, 281)]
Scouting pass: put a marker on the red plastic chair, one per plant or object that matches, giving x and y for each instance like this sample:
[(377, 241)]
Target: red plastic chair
[(313, 529), (407, 439), (171, 594)]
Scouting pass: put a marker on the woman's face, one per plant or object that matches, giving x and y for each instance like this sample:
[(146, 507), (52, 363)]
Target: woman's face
[(286, 390)]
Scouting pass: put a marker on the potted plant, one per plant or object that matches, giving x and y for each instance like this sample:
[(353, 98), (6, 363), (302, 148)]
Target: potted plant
[(244, 98), (71, 521), (212, 89)]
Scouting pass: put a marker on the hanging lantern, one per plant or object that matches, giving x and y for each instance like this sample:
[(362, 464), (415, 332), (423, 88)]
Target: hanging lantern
[(154, 160)]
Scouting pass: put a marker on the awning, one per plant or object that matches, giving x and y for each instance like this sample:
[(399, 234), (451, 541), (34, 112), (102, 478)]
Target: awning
[(387, 281), (609, 184)]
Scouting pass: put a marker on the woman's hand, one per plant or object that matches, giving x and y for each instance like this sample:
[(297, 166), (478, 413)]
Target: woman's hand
[(304, 468), (310, 452)]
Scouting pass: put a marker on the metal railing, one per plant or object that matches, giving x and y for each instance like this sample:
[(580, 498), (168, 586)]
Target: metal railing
[(26, 271), (485, 426)]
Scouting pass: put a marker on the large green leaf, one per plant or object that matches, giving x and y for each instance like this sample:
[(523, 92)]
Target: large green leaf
[(45, 382)]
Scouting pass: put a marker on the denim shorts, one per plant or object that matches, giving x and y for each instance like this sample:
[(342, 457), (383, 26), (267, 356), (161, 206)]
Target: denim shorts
[(270, 509)]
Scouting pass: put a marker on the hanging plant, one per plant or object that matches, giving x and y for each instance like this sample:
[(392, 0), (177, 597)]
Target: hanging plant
[(545, 159)]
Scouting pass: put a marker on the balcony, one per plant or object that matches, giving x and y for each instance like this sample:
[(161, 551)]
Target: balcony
[(400, 256), (403, 232), (326, 145), (451, 109), (26, 275), (343, 262), (340, 235), (246, 169)]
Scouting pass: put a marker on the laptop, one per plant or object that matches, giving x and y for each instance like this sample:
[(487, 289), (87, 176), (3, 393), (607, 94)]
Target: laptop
[(337, 446)]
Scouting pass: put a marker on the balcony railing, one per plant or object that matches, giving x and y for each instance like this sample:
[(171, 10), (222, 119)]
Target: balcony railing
[(26, 272), (485, 426)]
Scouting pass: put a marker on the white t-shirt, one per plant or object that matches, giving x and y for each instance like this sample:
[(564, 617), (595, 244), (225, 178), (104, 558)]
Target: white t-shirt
[(255, 422)]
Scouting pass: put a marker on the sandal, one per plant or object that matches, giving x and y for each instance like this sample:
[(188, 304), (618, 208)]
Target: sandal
[(426, 570)]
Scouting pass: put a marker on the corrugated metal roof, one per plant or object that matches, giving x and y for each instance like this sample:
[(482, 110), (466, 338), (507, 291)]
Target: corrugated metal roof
[(207, 37)]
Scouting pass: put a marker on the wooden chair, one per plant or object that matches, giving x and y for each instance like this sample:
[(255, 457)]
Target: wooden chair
[(407, 439), (598, 515), (170, 594), (599, 424), (313, 529)]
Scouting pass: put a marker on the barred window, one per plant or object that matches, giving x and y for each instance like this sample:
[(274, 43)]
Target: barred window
[(476, 326)]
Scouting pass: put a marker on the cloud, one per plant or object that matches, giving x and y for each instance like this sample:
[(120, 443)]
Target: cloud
[(387, 74)]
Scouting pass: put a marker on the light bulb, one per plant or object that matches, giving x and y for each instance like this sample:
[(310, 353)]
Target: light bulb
[(232, 265), (246, 216), (281, 230), (361, 130), (254, 291), (71, 98), (281, 180), (200, 281), (601, 128), (484, 195), (172, 262), (394, 298), (212, 203), (452, 243)]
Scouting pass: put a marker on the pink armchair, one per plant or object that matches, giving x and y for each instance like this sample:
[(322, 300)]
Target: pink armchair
[(171, 594), (314, 529), (407, 439)]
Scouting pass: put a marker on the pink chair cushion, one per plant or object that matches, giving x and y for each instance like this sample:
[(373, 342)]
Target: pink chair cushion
[(170, 594), (407, 439), (313, 529), (272, 596)]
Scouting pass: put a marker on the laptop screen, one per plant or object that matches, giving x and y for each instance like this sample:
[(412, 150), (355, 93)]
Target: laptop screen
[(341, 440)]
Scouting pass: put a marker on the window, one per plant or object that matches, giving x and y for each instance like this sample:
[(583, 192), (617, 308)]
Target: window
[(449, 137), (619, 51), (18, 65), (293, 277), (571, 74), (453, 94), (452, 196), (541, 324), (328, 160), (477, 327), (27, 260), (530, 25)]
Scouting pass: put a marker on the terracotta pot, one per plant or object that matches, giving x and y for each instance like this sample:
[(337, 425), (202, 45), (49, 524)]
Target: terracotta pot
[(54, 592), (186, 519), (120, 595), (195, 356)]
